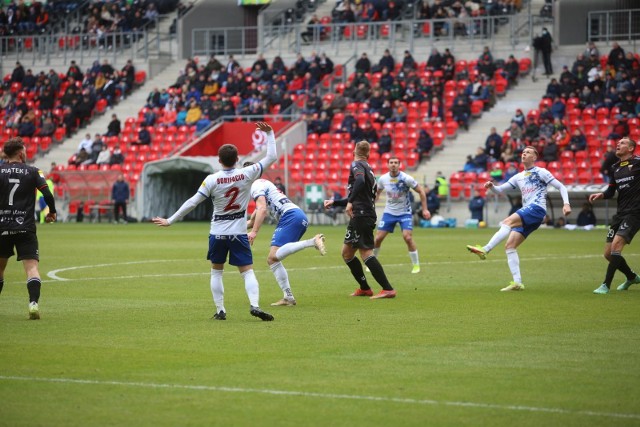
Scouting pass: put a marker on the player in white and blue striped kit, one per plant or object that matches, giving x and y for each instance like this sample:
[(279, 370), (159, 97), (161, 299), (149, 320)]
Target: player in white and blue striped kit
[(397, 185), (532, 182), (292, 224)]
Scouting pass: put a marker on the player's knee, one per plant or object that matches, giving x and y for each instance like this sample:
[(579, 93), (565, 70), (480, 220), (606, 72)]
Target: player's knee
[(272, 259)]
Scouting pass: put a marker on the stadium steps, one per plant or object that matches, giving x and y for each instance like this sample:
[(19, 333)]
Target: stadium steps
[(128, 107), (525, 95)]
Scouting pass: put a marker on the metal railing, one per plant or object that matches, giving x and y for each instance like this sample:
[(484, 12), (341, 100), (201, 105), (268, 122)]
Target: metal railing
[(373, 36), (81, 47), (614, 25), (87, 47)]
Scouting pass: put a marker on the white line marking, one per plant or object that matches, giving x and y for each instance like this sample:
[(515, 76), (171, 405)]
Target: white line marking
[(328, 396), (54, 273)]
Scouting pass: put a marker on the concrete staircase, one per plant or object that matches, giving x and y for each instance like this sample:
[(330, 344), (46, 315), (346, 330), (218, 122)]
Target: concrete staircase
[(525, 95), (128, 107)]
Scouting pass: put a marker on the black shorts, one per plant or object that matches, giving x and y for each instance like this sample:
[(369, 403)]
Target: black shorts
[(25, 242), (360, 232), (624, 226)]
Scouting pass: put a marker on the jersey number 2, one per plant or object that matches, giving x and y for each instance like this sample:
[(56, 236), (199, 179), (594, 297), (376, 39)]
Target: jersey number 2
[(233, 194)]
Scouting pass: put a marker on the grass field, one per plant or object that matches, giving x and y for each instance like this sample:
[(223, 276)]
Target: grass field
[(126, 336)]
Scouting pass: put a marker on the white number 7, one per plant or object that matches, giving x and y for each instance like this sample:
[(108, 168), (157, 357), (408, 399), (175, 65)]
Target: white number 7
[(16, 183)]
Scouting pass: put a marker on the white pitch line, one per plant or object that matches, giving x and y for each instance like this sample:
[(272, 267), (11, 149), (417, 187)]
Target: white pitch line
[(327, 396), (54, 274)]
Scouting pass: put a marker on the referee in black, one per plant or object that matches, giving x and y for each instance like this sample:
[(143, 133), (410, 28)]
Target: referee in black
[(18, 184), (625, 179), (360, 206)]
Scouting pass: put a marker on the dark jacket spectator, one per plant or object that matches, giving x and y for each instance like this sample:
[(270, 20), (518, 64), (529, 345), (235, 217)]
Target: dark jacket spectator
[(363, 64), (114, 126), (117, 158), (386, 61), (586, 216), (144, 137), (550, 150), (425, 144), (18, 73)]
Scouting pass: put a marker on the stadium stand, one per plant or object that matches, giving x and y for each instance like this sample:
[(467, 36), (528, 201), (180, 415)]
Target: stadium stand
[(46, 108), (581, 115)]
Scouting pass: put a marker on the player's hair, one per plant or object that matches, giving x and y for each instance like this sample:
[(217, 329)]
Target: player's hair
[(631, 142), (13, 146), (532, 148), (362, 149), (245, 164), (228, 155), (393, 158)]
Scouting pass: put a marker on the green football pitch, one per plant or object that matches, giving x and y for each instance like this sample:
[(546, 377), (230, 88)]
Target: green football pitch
[(126, 336)]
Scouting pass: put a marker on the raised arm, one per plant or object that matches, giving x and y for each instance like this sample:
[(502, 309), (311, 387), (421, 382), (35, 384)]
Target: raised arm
[(272, 153)]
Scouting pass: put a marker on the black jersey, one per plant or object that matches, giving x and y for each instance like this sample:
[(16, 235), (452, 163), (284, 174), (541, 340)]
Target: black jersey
[(626, 180), (18, 184), (364, 199)]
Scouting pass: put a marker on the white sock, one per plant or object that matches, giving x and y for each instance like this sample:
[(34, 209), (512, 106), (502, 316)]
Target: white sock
[(251, 287), (292, 248), (376, 251), (414, 257), (514, 264), (282, 278), (217, 290), (500, 235)]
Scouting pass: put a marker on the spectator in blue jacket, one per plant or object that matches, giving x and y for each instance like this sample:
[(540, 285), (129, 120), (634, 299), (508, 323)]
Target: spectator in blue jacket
[(120, 198), (557, 108), (476, 206)]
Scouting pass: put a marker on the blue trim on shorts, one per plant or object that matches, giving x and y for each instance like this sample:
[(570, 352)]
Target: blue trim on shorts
[(532, 217), (291, 227), (389, 221)]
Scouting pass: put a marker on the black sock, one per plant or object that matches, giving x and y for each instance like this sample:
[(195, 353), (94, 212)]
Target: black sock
[(378, 272), (33, 286), (1, 285), (358, 273), (624, 268), (614, 264)]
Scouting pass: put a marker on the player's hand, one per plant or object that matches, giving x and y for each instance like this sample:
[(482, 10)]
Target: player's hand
[(328, 203), (160, 222), (595, 196), (349, 210), (252, 236), (566, 209), (488, 185), (426, 214), (51, 217), (264, 127)]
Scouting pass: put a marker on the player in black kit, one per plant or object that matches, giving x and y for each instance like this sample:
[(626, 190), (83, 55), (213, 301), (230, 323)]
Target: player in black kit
[(625, 178), (360, 206), (18, 184)]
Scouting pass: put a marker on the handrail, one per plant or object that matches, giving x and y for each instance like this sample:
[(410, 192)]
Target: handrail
[(373, 36), (610, 25)]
